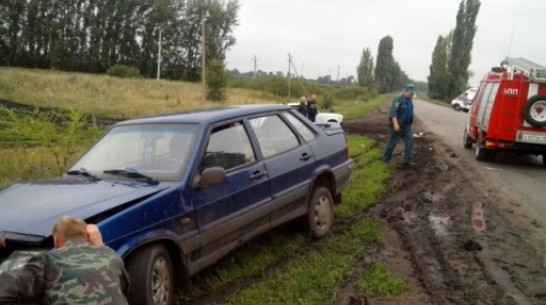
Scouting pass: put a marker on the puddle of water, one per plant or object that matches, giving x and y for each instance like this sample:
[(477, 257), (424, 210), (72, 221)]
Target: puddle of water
[(478, 221), (440, 224)]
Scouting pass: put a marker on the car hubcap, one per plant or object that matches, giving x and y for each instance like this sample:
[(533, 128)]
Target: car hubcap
[(160, 282), (322, 212), (538, 111)]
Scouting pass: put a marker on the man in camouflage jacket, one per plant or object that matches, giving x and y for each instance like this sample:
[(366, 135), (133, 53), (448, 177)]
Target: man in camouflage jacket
[(75, 272)]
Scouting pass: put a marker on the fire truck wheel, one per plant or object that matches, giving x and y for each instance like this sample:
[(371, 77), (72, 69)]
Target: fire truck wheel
[(535, 111), (467, 140), (481, 152), (490, 155)]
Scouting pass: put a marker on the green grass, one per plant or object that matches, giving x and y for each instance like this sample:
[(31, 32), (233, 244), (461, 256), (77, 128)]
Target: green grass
[(357, 109), (380, 282), (106, 96)]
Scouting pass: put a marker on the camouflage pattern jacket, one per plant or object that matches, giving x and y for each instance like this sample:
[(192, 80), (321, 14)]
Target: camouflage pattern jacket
[(77, 273)]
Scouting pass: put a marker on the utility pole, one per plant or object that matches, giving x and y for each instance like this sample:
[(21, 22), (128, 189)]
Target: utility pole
[(337, 77), (289, 64), (255, 66), (159, 56), (204, 93)]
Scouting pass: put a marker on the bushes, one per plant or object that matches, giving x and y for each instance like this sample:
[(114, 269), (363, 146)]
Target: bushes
[(123, 71), (278, 86), (356, 93), (216, 79)]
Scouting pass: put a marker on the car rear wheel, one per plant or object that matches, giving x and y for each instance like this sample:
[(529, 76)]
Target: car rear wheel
[(467, 140), (535, 111), (457, 107), (320, 213), (152, 279)]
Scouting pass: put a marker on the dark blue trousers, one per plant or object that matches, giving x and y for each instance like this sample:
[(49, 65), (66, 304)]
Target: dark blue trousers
[(406, 135)]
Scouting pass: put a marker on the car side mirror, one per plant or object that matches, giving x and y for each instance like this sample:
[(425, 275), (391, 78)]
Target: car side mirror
[(210, 176)]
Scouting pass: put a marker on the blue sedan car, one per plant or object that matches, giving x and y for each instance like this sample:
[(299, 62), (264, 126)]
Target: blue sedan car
[(172, 194)]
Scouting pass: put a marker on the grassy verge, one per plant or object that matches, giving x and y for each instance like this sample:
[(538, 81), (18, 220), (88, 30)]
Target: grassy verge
[(357, 109), (105, 96)]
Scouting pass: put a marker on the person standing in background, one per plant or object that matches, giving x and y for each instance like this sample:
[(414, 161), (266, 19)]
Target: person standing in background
[(312, 109), (400, 120), (302, 107)]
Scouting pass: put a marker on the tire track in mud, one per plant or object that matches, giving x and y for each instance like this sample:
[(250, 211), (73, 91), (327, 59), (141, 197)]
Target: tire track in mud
[(461, 249)]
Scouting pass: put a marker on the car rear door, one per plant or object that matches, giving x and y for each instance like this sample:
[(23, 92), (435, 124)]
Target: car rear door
[(230, 212), (290, 164)]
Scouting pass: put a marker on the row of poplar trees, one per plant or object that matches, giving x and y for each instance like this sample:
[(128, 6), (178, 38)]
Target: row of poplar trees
[(386, 75), (94, 35), (451, 58)]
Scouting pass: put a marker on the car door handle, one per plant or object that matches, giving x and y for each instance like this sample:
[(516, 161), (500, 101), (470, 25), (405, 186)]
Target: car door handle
[(258, 174), (306, 156)]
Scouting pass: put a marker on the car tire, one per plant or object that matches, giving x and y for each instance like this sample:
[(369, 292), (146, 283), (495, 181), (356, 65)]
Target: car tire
[(467, 140), (320, 212), (457, 107), (152, 279), (534, 111), (481, 152)]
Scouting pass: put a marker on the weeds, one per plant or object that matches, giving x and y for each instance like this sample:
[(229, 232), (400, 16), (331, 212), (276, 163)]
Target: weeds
[(379, 282), (45, 143)]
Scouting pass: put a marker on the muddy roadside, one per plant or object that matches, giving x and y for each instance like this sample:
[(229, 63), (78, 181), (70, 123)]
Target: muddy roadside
[(446, 238)]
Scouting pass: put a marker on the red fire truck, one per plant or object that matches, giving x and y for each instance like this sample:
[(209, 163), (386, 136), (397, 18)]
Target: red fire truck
[(509, 111)]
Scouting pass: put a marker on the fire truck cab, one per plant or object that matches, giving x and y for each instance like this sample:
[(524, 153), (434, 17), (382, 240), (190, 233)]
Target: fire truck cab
[(509, 111)]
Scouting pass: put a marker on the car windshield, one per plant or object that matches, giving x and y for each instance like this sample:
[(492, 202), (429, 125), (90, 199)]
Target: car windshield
[(157, 151)]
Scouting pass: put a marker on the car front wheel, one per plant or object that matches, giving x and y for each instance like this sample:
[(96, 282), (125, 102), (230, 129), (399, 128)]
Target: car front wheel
[(152, 280), (320, 213)]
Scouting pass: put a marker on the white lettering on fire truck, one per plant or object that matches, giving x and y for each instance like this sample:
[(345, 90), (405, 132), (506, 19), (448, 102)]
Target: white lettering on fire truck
[(511, 91)]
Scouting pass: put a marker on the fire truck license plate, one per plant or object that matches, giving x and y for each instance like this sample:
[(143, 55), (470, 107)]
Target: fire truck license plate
[(534, 138)]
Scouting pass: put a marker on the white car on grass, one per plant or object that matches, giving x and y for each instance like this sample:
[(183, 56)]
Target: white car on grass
[(324, 117)]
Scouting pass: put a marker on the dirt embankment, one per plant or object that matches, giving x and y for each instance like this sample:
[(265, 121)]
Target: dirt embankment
[(446, 237)]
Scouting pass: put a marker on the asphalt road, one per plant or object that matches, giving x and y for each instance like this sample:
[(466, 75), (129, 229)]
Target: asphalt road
[(516, 183)]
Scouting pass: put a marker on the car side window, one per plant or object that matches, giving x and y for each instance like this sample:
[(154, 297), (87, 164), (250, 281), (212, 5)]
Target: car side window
[(228, 147), (305, 131), (274, 136)]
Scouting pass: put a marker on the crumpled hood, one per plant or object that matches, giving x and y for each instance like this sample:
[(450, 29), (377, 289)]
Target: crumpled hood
[(33, 208)]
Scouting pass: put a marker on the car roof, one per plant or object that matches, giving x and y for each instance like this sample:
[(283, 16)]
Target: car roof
[(208, 114)]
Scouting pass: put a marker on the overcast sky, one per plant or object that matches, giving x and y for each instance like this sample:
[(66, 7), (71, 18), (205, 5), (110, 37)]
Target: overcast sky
[(327, 37)]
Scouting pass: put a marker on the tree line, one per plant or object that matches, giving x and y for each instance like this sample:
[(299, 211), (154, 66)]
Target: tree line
[(94, 35), (385, 75), (451, 58)]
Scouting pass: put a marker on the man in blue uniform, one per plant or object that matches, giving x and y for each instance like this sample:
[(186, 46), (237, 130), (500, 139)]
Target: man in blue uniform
[(400, 120)]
